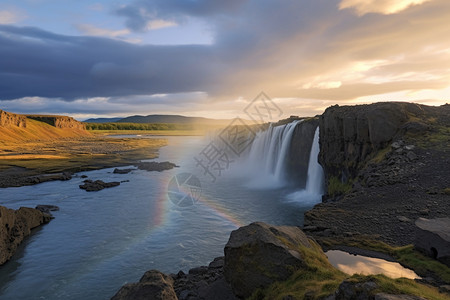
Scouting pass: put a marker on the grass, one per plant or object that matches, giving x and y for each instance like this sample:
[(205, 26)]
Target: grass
[(337, 187), (380, 155), (400, 286), (37, 130), (438, 138), (320, 279), (77, 154)]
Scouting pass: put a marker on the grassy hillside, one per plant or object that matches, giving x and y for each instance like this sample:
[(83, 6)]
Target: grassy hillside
[(36, 130)]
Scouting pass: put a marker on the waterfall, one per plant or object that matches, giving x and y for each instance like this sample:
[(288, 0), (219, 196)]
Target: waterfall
[(265, 165), (266, 161), (314, 184)]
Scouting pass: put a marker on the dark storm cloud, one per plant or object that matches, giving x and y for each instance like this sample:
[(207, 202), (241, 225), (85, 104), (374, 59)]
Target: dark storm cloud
[(140, 12), (38, 63), (288, 49)]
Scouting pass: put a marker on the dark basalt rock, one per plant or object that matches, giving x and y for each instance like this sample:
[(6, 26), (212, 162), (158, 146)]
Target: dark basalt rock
[(259, 254), (15, 225), (47, 208), (93, 186), (122, 171), (155, 166), (153, 285), (433, 238), (50, 177), (297, 159)]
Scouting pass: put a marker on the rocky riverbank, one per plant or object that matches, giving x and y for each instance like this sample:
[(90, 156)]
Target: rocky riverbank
[(15, 225), (271, 262)]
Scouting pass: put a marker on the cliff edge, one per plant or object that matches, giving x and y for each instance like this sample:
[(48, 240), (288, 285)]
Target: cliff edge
[(15, 225), (19, 128)]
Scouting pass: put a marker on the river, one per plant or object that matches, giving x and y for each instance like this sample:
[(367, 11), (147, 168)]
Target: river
[(99, 241)]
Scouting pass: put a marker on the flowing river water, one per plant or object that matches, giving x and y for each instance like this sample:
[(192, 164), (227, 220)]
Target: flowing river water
[(99, 241)]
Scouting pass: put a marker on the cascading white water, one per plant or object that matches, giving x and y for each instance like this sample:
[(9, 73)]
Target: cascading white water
[(266, 160), (314, 183), (265, 165)]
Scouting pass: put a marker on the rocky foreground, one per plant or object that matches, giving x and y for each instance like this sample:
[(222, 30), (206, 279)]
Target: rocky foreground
[(268, 262), (15, 225)]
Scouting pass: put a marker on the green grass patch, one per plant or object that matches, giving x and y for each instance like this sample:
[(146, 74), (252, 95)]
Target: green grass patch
[(380, 155), (318, 278), (337, 187), (400, 286), (445, 191), (438, 138)]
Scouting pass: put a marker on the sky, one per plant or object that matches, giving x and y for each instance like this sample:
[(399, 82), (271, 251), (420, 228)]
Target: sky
[(211, 58)]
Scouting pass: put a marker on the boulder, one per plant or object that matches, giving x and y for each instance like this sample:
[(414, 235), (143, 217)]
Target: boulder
[(93, 186), (355, 290), (433, 238), (200, 283), (154, 285), (47, 208), (155, 166), (122, 171), (15, 225), (260, 254)]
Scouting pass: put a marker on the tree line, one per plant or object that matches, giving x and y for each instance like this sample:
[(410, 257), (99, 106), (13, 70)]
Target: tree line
[(138, 126)]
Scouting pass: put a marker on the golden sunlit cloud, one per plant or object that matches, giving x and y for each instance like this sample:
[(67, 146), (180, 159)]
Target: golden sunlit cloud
[(96, 31), (386, 7), (9, 17), (158, 24)]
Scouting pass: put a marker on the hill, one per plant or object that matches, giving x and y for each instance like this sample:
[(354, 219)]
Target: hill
[(172, 119), (20, 128), (102, 120)]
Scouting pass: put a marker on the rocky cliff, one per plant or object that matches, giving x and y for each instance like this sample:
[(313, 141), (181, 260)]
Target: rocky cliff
[(350, 136), (8, 119), (15, 225), (59, 121), (18, 128), (299, 151)]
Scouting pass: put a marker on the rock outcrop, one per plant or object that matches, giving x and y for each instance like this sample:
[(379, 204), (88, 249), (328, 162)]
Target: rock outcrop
[(299, 151), (154, 285), (433, 238), (155, 166), (205, 282), (94, 186), (8, 119), (15, 225), (352, 135), (59, 121), (259, 254)]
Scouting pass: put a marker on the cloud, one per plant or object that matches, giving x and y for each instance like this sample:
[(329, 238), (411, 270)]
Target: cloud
[(9, 17), (299, 50), (89, 29), (140, 12), (39, 63), (386, 7), (158, 24)]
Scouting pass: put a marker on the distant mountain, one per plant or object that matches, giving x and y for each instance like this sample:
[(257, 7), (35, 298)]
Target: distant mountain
[(102, 120), (172, 119)]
